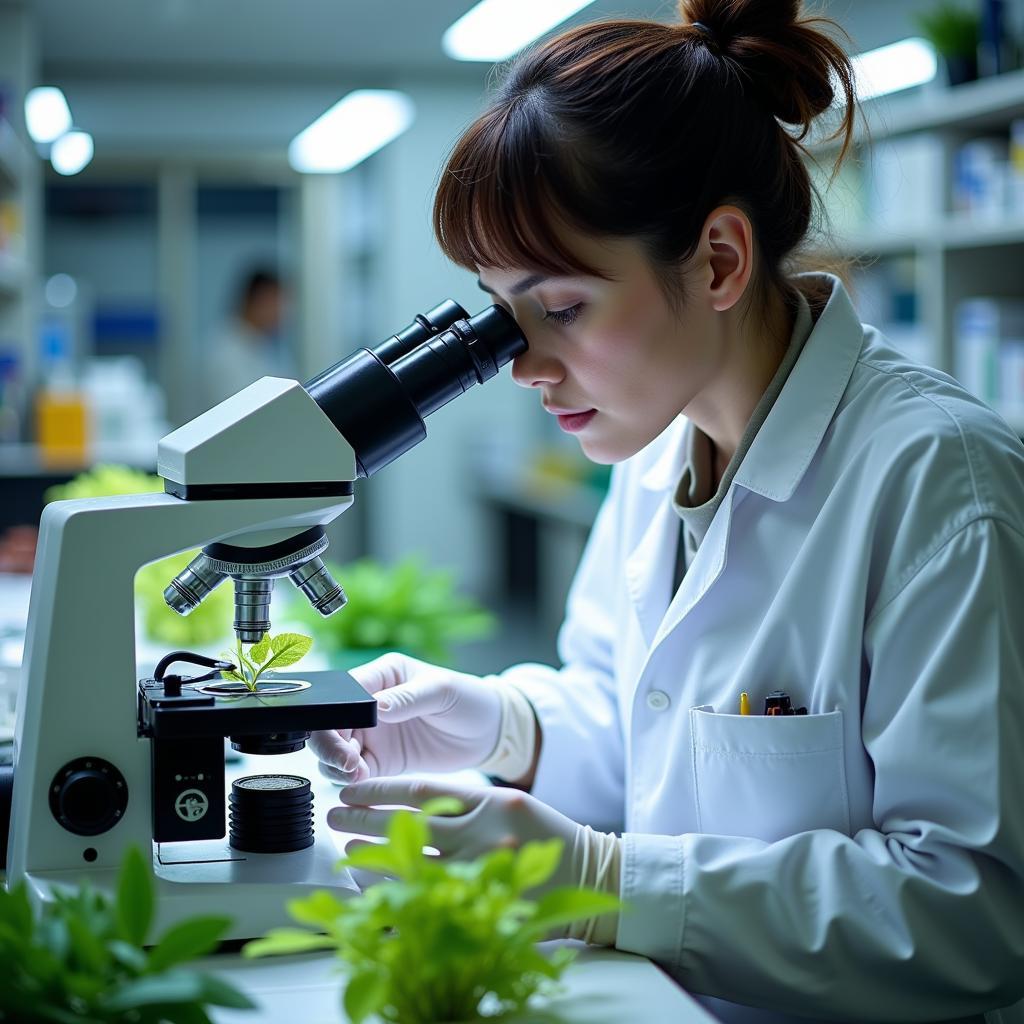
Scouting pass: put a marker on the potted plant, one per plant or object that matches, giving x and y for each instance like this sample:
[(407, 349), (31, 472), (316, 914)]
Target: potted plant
[(441, 941), (954, 31), (404, 607), (87, 957), (208, 624)]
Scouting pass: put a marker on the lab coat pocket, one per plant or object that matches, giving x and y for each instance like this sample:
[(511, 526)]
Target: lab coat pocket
[(769, 777)]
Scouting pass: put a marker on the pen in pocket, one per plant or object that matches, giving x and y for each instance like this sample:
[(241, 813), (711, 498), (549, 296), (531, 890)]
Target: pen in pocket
[(778, 703)]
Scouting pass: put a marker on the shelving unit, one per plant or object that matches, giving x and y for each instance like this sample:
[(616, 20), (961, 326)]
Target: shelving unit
[(955, 256), (20, 194)]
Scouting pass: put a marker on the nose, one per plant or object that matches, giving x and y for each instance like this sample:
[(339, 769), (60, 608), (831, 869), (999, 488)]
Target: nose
[(534, 368)]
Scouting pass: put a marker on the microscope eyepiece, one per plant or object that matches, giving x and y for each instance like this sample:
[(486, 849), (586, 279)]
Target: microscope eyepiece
[(379, 403)]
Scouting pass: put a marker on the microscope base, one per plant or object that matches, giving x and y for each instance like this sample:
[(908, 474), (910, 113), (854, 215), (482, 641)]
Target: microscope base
[(211, 878)]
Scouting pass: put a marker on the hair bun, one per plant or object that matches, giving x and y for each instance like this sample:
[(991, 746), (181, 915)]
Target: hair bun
[(786, 57)]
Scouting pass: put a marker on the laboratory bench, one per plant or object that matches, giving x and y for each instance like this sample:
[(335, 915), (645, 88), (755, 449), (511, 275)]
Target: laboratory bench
[(601, 987)]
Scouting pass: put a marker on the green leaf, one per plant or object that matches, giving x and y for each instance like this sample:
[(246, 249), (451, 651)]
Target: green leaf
[(169, 987), (288, 648), (365, 993), (258, 652), (286, 940), (536, 862), (379, 857), (319, 909), (442, 806), (187, 940), (134, 897), (563, 906), (407, 835)]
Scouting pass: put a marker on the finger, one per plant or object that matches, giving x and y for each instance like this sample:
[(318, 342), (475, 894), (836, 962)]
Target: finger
[(428, 695), (407, 792), (341, 778), (382, 673), (333, 750), (363, 821)]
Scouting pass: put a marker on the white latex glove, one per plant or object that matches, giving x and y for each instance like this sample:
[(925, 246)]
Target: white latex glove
[(492, 817), (430, 719)]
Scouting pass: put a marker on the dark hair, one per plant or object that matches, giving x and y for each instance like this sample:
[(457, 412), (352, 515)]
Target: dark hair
[(639, 129), (256, 282)]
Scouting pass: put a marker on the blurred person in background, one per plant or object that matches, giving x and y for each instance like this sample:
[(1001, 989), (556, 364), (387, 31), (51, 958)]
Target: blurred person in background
[(248, 344)]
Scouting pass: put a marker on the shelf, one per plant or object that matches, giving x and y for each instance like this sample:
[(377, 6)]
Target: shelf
[(954, 232), (12, 157), (971, 107), (12, 274), (561, 501)]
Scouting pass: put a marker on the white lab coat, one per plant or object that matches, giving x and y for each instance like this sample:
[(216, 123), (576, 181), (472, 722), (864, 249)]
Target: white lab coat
[(865, 861)]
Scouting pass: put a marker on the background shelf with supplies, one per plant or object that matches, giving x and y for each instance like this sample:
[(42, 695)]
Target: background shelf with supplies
[(930, 209)]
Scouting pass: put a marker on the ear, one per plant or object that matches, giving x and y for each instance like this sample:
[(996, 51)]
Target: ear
[(728, 242)]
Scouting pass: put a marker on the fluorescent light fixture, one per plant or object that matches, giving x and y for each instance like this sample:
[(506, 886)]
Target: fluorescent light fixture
[(894, 67), (46, 113), (71, 152), (496, 29), (356, 126)]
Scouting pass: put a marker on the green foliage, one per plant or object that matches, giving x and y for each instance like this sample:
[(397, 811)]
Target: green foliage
[(208, 623), (951, 28), (440, 940), (403, 607), (270, 653), (82, 960)]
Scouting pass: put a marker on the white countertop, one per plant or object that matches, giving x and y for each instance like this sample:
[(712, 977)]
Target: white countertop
[(603, 986)]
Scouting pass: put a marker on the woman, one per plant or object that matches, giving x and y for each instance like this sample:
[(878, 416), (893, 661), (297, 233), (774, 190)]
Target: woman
[(794, 507)]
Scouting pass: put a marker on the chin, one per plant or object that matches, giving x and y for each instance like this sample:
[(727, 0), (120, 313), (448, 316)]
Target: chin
[(606, 453)]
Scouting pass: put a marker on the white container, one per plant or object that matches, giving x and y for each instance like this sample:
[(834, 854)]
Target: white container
[(983, 326), (903, 190), (981, 174)]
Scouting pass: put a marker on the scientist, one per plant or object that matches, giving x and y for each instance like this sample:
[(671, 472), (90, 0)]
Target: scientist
[(795, 506)]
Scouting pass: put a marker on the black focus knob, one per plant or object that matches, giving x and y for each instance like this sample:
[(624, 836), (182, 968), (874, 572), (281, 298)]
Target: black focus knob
[(88, 796)]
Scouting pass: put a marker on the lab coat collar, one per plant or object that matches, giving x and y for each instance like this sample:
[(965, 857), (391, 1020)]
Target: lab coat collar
[(788, 439)]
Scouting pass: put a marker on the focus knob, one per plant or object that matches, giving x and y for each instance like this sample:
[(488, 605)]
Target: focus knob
[(88, 796)]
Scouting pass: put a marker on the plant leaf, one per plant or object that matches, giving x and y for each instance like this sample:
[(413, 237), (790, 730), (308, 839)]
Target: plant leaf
[(258, 652), (287, 940), (319, 909), (536, 862), (288, 648), (563, 906), (134, 897), (442, 806), (365, 993), (187, 940)]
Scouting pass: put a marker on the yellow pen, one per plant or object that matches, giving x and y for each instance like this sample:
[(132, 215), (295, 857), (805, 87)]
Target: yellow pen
[(744, 704)]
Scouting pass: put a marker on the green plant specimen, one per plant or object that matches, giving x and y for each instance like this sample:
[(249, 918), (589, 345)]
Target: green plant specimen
[(272, 652), (208, 623), (403, 607), (441, 940), (952, 29), (83, 959)]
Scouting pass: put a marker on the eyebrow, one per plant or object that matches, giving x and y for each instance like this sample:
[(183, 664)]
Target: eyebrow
[(517, 289)]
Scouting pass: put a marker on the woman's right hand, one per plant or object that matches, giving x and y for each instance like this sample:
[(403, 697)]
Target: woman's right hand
[(429, 719)]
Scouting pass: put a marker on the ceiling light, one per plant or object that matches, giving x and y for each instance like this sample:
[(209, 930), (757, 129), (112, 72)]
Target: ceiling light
[(496, 29), (894, 67), (356, 126), (46, 113), (71, 152)]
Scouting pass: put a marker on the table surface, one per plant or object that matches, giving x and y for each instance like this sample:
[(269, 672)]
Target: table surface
[(602, 986)]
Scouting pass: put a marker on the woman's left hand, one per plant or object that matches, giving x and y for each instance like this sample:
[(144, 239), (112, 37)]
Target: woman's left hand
[(492, 817)]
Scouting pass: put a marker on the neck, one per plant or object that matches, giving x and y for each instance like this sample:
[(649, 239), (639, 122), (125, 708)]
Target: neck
[(753, 347)]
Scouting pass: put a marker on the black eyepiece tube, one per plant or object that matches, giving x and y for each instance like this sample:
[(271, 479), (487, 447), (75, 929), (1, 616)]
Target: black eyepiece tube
[(425, 326), (379, 407)]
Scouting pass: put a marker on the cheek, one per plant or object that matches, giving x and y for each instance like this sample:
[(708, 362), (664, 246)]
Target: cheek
[(638, 353)]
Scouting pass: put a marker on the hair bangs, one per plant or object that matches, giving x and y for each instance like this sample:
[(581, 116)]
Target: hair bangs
[(495, 204)]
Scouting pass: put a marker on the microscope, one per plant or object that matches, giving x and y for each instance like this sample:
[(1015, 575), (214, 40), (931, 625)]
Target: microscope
[(104, 760)]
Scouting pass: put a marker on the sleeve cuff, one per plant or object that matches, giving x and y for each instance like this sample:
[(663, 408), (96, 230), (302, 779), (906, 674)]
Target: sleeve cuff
[(517, 737), (653, 920)]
